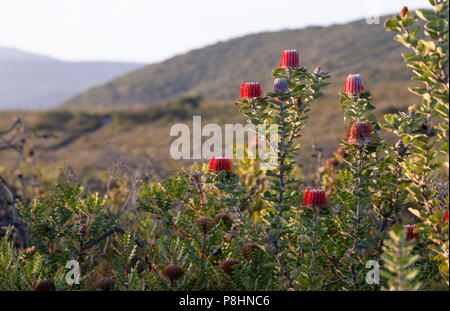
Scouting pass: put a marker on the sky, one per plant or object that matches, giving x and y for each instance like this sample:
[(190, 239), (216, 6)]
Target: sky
[(150, 31)]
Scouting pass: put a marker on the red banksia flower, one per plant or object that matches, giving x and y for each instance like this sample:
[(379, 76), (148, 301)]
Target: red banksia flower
[(354, 84), (403, 12), (105, 284), (45, 285), (248, 249), (250, 90), (227, 265), (314, 198), (219, 164), (410, 232), (290, 58), (360, 133), (280, 85), (173, 272), (445, 218)]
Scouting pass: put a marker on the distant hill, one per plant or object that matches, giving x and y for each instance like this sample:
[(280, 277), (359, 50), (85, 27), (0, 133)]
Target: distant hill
[(32, 81), (216, 71)]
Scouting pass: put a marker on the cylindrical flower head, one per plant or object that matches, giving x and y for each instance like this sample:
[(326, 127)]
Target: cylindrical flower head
[(219, 164), (410, 232), (290, 58), (250, 90), (360, 133), (280, 85), (445, 218), (315, 198), (354, 84)]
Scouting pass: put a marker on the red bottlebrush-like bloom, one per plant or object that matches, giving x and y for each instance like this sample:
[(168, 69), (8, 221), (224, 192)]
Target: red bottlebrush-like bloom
[(315, 198), (250, 90), (360, 133), (445, 218), (219, 164), (280, 85), (354, 84), (410, 232), (290, 58)]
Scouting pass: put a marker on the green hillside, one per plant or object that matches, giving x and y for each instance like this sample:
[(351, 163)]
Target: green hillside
[(215, 72)]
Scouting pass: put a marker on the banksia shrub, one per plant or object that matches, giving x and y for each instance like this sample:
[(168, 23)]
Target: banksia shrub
[(173, 272), (45, 285), (360, 133), (354, 84), (250, 90), (290, 59), (280, 85), (314, 198), (219, 164), (104, 284), (229, 265)]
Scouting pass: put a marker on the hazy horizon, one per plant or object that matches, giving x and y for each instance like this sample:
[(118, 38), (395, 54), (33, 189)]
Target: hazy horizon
[(141, 32)]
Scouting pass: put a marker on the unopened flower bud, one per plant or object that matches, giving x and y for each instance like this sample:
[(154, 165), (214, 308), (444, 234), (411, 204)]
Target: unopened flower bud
[(249, 249), (229, 265), (205, 222), (318, 71), (403, 12), (173, 272)]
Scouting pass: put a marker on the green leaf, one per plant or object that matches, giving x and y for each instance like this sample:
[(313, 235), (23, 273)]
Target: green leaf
[(426, 15)]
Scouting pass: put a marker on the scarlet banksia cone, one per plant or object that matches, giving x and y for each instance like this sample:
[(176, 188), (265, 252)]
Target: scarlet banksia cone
[(219, 164), (250, 90), (205, 222), (228, 265), (248, 249), (173, 272), (445, 218), (403, 12), (410, 232), (354, 84), (280, 85), (290, 58), (314, 198), (224, 217), (45, 285), (360, 133), (104, 284)]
